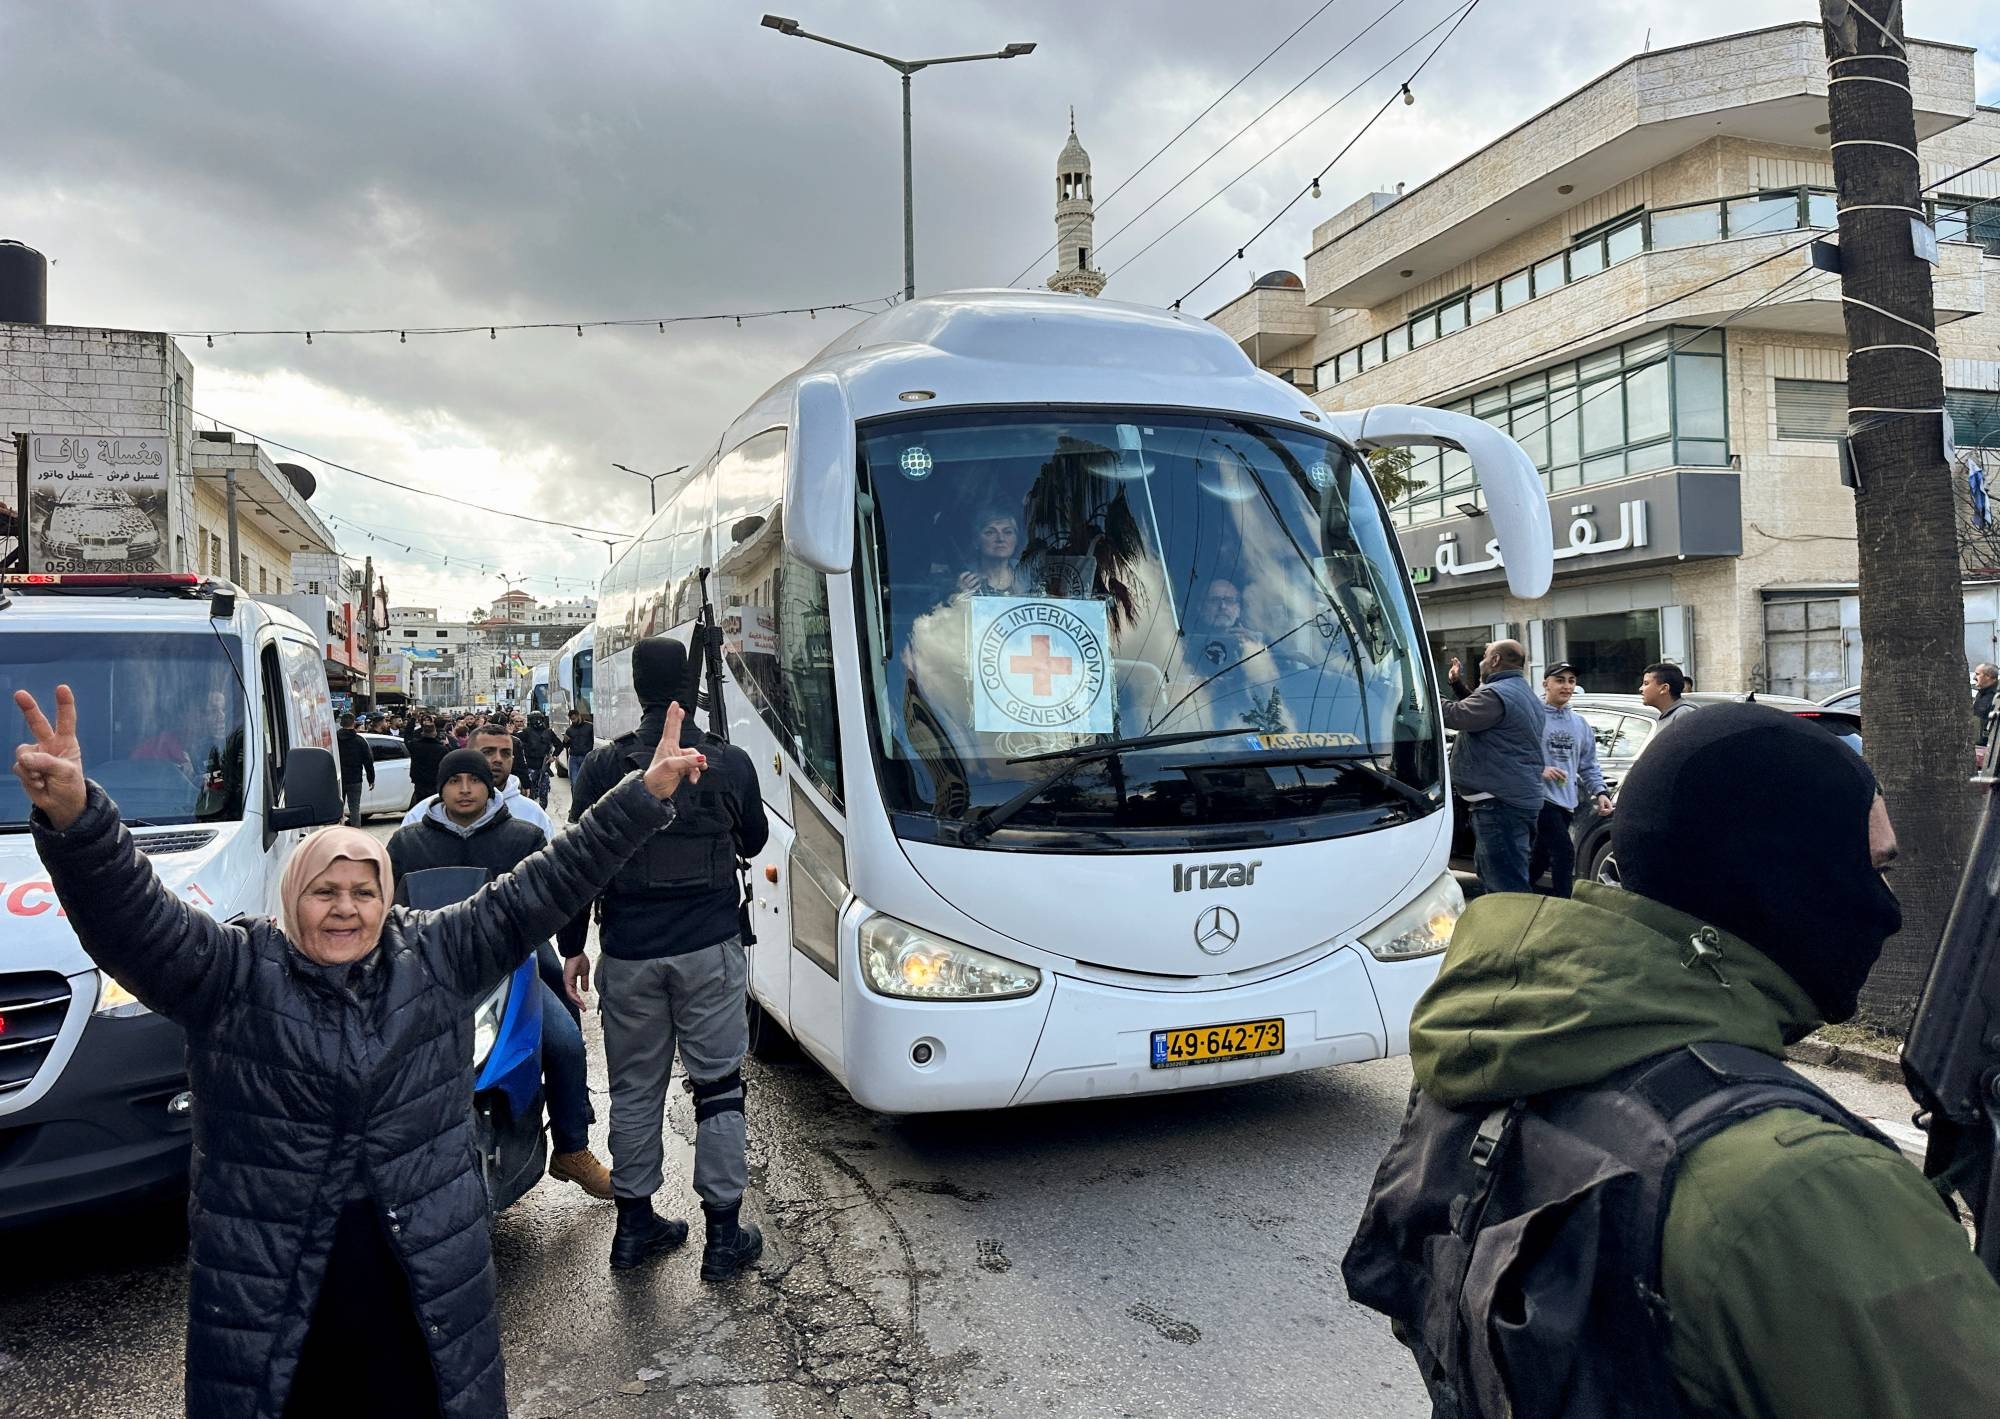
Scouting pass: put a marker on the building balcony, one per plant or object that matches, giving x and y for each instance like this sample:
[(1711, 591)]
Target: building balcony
[(1768, 86), (1269, 318), (1619, 303)]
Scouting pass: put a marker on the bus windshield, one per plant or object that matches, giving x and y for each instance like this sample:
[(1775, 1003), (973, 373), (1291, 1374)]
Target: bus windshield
[(1038, 586), (159, 717)]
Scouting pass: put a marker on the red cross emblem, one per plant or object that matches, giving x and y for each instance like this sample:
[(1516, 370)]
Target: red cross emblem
[(1041, 666)]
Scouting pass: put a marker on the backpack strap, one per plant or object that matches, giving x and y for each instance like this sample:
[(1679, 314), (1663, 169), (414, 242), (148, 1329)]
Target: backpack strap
[(1701, 1089)]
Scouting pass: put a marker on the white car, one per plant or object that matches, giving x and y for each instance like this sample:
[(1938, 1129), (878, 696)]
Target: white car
[(391, 791)]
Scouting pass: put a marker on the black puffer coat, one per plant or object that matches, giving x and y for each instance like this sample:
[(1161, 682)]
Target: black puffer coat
[(287, 1056)]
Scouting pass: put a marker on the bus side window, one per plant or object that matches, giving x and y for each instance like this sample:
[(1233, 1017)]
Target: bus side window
[(277, 732)]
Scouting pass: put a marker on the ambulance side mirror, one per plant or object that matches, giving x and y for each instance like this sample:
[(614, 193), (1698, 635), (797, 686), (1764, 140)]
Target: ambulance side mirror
[(312, 791), (819, 476), (1515, 497)]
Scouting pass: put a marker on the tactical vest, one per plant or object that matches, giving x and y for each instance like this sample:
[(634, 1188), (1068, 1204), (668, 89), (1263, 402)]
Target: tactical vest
[(1516, 1249), (690, 857)]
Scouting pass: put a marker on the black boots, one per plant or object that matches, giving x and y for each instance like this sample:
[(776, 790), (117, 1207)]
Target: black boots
[(643, 1234), (732, 1245)]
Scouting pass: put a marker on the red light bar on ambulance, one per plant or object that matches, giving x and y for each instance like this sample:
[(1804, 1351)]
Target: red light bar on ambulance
[(135, 579)]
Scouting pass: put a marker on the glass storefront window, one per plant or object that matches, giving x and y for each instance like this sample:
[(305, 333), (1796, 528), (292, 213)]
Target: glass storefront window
[(1610, 651), (1647, 415)]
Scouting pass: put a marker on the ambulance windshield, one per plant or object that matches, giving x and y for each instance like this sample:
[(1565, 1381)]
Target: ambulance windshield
[(1036, 585), (159, 717)]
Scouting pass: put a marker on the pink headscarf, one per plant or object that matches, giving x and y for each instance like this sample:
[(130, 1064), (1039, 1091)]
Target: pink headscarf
[(317, 853)]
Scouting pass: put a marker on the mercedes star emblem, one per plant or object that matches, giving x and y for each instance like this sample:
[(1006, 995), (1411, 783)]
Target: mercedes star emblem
[(1216, 930)]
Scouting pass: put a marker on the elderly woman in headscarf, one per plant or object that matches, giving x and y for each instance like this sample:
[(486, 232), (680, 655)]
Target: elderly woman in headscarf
[(338, 1220)]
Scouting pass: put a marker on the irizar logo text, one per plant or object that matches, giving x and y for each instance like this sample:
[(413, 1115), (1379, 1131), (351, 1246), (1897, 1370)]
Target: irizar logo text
[(1212, 876)]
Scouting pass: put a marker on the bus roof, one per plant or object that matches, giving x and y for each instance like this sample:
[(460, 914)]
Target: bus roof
[(1033, 347)]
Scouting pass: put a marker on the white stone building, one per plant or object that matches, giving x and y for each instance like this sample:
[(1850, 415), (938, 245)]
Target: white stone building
[(1575, 283)]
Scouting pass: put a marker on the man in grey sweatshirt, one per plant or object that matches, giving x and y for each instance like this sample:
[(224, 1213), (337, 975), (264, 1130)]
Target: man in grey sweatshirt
[(1570, 749)]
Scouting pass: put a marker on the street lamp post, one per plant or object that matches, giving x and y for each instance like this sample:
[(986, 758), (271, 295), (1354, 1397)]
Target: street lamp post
[(905, 67), (652, 480), (610, 544)]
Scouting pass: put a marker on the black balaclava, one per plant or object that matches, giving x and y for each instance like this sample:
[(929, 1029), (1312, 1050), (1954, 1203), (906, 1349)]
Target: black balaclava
[(1756, 821), (660, 674), (466, 761)]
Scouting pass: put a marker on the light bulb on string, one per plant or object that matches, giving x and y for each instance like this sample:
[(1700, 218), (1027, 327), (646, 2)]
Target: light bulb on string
[(1315, 187), (492, 333), (579, 332), (309, 337), (211, 342), (402, 337), (1408, 97)]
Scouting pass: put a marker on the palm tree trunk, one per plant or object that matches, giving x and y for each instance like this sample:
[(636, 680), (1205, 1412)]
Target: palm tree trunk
[(1913, 677)]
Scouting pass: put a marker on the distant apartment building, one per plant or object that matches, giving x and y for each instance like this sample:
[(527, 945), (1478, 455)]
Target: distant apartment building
[(1590, 282)]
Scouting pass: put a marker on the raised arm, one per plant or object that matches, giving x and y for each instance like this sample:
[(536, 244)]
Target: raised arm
[(181, 963), (472, 945)]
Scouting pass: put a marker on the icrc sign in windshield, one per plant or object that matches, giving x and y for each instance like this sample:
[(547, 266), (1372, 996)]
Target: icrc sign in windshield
[(1041, 663), (96, 503)]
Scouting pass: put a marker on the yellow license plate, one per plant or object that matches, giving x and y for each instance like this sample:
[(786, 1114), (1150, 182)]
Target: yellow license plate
[(1204, 1045)]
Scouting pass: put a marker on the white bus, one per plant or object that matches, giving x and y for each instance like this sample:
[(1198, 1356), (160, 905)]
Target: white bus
[(569, 677), (1088, 696)]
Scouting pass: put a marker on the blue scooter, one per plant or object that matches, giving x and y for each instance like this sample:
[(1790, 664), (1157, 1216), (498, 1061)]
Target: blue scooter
[(506, 1053)]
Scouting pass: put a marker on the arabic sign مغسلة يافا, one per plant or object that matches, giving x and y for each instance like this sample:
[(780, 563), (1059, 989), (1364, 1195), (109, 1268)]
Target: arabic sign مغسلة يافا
[(97, 503)]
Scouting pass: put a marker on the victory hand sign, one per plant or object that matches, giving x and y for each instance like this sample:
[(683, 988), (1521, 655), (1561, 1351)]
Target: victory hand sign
[(51, 768), (671, 763)]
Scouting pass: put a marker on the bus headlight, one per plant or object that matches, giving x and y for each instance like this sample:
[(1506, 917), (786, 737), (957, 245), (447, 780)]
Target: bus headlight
[(114, 1000), (897, 959), (1423, 928), (486, 1022)]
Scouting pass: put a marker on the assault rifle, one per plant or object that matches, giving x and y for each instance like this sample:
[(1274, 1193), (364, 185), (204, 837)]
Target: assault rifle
[(1951, 1060), (705, 665)]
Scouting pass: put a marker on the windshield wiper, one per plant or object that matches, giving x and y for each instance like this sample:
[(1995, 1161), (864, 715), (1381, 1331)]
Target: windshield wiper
[(990, 820), (1346, 763)]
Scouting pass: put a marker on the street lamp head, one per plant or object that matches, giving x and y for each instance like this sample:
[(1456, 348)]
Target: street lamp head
[(1015, 51), (780, 24)]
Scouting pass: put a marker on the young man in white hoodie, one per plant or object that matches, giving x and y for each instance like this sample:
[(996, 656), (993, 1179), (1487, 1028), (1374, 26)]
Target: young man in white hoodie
[(1571, 752), (496, 742)]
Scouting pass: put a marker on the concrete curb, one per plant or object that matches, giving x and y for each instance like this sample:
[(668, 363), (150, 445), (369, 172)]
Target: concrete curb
[(1875, 1064)]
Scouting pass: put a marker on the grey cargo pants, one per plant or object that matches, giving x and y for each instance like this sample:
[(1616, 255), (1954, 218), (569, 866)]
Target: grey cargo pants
[(695, 1001)]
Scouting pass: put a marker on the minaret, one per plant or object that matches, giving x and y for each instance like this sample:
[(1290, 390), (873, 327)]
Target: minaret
[(1075, 244)]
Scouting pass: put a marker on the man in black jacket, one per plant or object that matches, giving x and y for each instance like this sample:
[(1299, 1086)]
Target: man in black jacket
[(468, 826), (674, 969), (356, 764), (538, 750), (427, 751)]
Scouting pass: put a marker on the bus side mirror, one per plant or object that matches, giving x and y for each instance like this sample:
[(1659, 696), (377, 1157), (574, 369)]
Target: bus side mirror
[(1515, 497), (312, 791), (819, 476)]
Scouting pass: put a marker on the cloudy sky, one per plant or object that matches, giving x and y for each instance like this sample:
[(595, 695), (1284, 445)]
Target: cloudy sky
[(262, 164)]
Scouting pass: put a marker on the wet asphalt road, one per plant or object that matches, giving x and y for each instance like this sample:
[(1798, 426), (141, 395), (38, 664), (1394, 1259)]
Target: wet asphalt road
[(1158, 1257)]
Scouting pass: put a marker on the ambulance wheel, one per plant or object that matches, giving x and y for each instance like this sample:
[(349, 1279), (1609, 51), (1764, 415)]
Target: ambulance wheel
[(768, 1040)]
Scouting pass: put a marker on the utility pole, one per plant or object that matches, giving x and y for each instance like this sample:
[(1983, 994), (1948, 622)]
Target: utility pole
[(1913, 675), (368, 624), (235, 560)]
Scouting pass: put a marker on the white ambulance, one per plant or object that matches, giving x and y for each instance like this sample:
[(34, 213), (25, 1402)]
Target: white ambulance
[(205, 714)]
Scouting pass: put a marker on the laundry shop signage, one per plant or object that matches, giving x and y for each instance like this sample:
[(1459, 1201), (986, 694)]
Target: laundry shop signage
[(1660, 517)]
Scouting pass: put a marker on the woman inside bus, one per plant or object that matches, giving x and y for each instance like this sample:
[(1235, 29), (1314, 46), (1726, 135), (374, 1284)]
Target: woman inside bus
[(341, 1263), (995, 568)]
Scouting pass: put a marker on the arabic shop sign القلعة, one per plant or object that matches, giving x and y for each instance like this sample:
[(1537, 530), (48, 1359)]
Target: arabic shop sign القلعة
[(1582, 540)]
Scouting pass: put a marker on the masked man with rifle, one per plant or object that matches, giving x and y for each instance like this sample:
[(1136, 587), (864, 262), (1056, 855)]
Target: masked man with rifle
[(673, 973), (1610, 1198)]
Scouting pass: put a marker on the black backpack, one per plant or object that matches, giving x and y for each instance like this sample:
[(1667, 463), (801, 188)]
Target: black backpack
[(1516, 1249)]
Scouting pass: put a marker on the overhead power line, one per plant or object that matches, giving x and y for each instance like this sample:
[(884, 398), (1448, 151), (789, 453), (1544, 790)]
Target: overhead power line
[(401, 486), (493, 328), (1408, 97), (1231, 140), (1212, 104)]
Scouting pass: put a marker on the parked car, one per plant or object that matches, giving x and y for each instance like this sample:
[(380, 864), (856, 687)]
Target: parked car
[(1592, 834), (391, 790)]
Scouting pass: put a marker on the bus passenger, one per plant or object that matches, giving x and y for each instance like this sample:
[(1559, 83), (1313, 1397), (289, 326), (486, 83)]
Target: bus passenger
[(996, 568)]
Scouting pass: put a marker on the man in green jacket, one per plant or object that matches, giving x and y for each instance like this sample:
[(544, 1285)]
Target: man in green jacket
[(1809, 1272)]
